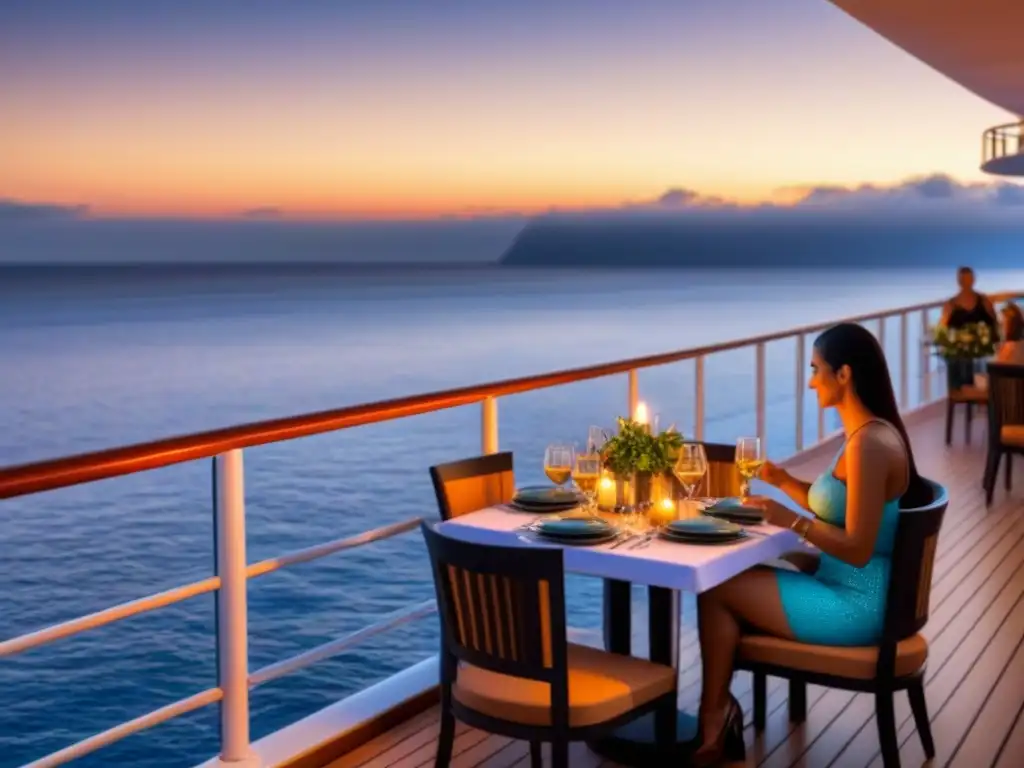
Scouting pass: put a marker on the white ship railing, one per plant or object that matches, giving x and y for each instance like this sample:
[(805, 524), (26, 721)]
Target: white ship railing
[(225, 447)]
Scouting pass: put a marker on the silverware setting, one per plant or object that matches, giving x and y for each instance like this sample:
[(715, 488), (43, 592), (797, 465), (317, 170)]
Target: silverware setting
[(645, 541), (622, 538)]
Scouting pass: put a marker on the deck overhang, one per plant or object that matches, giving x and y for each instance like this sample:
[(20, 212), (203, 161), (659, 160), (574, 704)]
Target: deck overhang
[(976, 44)]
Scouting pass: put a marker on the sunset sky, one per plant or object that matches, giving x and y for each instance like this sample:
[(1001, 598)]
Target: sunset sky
[(425, 107)]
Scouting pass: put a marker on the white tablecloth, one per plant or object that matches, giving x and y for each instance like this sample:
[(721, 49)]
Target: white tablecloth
[(690, 567)]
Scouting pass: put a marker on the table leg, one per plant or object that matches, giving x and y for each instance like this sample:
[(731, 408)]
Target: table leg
[(618, 616), (634, 744)]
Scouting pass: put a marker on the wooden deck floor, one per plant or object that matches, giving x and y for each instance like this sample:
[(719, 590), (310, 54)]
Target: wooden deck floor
[(975, 667)]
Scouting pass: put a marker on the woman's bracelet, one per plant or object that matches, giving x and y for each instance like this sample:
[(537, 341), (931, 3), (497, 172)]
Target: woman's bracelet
[(801, 525)]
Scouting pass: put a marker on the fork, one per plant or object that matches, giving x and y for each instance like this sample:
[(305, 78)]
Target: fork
[(646, 539)]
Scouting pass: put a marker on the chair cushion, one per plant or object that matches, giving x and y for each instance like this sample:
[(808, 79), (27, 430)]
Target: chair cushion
[(602, 686), (1012, 434), (854, 662), (969, 394)]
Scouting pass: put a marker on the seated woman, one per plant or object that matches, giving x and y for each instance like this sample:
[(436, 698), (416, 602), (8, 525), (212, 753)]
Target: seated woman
[(1012, 349), (856, 503), (968, 306)]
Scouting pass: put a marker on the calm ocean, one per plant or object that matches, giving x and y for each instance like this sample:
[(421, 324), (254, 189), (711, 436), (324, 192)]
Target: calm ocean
[(93, 358)]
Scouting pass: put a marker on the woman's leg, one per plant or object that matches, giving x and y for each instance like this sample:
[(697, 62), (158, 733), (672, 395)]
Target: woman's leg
[(751, 598)]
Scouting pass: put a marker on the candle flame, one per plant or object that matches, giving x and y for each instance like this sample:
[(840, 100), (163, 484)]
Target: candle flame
[(640, 417)]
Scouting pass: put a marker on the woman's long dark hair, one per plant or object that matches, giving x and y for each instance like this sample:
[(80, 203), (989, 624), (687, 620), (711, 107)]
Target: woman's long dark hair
[(853, 345)]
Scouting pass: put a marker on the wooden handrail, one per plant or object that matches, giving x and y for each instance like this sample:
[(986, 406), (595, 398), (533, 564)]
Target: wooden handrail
[(25, 479)]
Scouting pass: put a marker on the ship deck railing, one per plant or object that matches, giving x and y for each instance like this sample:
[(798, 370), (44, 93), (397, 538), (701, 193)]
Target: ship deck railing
[(369, 713)]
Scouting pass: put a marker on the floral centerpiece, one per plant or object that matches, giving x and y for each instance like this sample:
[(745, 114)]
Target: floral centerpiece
[(963, 349), (970, 342), (636, 455)]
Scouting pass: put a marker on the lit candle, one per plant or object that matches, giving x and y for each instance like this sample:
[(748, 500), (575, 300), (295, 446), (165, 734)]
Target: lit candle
[(640, 417), (606, 493), (667, 509)]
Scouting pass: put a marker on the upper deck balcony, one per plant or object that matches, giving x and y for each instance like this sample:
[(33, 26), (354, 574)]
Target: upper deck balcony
[(1002, 150)]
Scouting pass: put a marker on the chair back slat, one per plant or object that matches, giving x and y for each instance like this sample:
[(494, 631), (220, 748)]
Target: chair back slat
[(913, 559), (1006, 398), (723, 478), (466, 486), (501, 608)]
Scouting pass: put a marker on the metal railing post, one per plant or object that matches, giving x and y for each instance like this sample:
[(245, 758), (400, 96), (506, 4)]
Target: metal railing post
[(762, 421), (926, 361), (232, 617), (634, 392), (698, 398), (904, 361), (881, 333), (489, 425), (801, 364)]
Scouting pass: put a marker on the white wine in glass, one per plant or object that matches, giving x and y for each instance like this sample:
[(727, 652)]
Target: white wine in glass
[(558, 463), (749, 460), (690, 467), (586, 475)]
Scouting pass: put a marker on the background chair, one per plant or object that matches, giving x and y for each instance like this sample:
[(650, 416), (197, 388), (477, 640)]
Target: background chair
[(465, 486), (960, 390), (898, 663), (507, 667), (1005, 422)]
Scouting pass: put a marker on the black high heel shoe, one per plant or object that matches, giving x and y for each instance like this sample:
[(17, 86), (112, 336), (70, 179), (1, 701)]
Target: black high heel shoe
[(729, 746)]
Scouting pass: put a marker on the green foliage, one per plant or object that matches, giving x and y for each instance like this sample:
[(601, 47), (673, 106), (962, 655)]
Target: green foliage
[(634, 449), (970, 342)]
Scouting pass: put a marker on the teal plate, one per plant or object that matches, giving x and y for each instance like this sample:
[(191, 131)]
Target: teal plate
[(574, 527), (733, 505), (545, 496), (702, 541), (541, 509), (579, 541), (703, 526)]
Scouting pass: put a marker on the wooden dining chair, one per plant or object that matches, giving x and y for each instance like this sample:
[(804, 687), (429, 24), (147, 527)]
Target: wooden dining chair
[(896, 664), (465, 486), (507, 666), (960, 394), (1005, 422), (722, 479)]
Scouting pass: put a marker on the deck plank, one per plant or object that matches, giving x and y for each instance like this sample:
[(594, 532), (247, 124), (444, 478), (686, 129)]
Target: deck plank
[(976, 657), (1013, 747)]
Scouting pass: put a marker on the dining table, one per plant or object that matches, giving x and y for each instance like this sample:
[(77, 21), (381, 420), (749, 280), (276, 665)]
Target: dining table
[(667, 568)]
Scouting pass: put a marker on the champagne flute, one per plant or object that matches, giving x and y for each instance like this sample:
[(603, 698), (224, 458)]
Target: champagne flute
[(586, 475), (559, 463), (749, 460), (690, 467)]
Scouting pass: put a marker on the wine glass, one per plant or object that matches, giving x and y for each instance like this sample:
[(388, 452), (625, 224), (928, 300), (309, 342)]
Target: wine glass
[(559, 462), (586, 475), (749, 460), (596, 438), (690, 467)]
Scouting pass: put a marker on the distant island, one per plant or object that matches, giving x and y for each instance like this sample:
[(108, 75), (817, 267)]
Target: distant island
[(763, 240)]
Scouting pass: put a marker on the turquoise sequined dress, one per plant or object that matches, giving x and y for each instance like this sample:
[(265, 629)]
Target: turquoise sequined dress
[(840, 604)]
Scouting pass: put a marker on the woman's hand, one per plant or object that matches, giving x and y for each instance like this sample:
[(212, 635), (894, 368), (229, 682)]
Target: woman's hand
[(774, 512), (773, 474)]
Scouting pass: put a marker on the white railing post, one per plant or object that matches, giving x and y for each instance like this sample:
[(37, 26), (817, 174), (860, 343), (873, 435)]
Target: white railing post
[(762, 421), (634, 392), (881, 334), (489, 425), (232, 618), (801, 364), (698, 398), (904, 361), (926, 361)]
